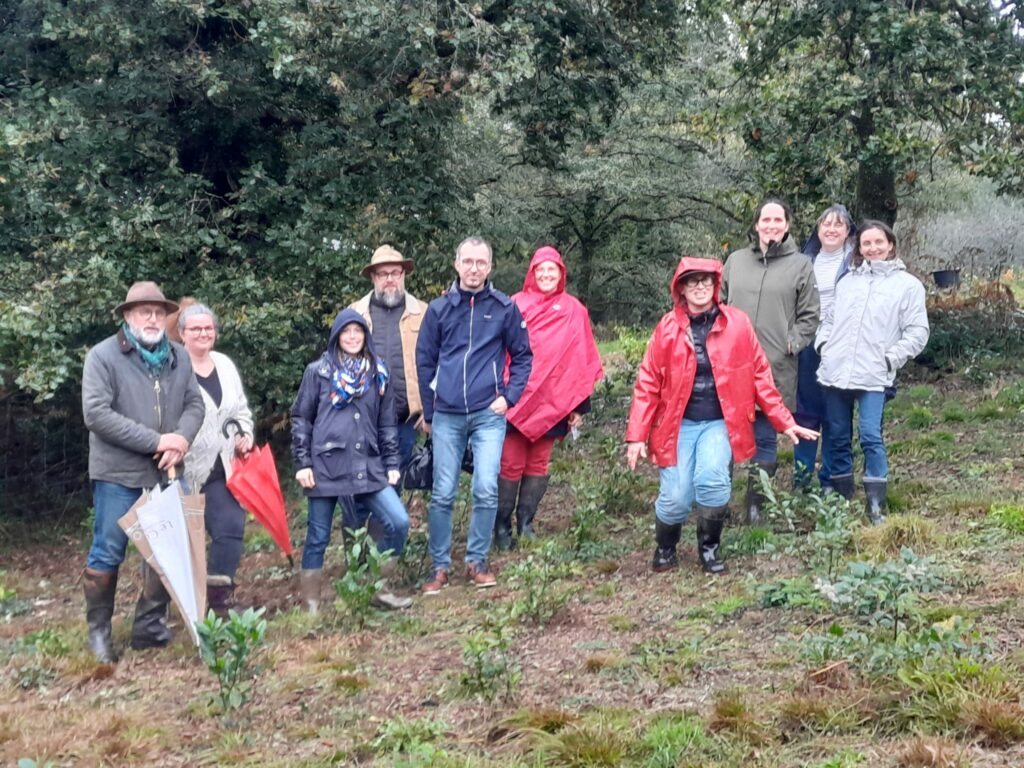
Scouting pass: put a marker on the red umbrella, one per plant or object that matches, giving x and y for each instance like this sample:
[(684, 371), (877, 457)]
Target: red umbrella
[(255, 484)]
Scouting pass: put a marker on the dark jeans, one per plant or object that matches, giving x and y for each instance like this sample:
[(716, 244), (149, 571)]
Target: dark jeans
[(225, 522), (839, 415), (766, 439), (383, 505), (810, 413)]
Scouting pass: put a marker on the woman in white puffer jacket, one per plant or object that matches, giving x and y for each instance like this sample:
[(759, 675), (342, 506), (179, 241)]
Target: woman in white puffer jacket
[(878, 322)]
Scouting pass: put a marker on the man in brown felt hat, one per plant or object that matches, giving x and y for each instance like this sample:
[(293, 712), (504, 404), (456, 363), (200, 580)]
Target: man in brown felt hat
[(394, 317), (143, 408)]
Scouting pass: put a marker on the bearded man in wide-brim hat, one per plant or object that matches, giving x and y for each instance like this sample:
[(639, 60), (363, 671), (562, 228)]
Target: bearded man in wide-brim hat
[(143, 408)]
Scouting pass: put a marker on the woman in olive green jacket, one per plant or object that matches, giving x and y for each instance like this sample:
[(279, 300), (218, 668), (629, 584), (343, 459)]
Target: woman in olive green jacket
[(774, 284)]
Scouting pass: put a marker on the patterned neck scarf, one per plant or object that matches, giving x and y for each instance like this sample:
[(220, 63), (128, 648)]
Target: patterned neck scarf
[(351, 378), (155, 358)]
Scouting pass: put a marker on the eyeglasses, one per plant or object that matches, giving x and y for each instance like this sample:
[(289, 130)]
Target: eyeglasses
[(157, 312), (705, 281), (200, 330), (478, 264), (390, 274)]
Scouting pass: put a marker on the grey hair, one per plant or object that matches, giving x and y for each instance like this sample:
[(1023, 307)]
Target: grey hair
[(474, 240), (840, 212), (196, 309)]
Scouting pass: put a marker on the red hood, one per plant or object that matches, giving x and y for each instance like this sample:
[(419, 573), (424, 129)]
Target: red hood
[(693, 264), (544, 253)]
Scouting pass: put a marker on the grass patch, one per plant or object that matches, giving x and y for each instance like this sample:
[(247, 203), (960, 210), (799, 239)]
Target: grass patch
[(670, 738), (1008, 516), (732, 715), (897, 532), (602, 742), (930, 752)]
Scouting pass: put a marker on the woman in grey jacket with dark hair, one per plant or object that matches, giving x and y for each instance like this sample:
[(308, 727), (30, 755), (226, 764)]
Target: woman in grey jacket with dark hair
[(878, 322)]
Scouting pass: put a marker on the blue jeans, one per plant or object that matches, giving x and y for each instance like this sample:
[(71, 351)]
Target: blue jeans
[(839, 424), (485, 431), (383, 506), (352, 511), (702, 472), (111, 501), (810, 413), (766, 440)]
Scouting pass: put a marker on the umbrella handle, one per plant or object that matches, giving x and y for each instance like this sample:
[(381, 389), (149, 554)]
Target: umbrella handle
[(227, 423)]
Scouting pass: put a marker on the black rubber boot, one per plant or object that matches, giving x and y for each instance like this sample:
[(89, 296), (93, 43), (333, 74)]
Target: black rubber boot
[(149, 629), (667, 537), (220, 591), (875, 503), (508, 490), (99, 588), (710, 522), (754, 504), (841, 484), (531, 491)]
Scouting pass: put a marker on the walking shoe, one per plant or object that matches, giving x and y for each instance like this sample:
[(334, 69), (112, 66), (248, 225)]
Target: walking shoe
[(389, 601), (438, 581), (479, 575)]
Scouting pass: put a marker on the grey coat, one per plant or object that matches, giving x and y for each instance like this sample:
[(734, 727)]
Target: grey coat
[(878, 322), (126, 409), (778, 292)]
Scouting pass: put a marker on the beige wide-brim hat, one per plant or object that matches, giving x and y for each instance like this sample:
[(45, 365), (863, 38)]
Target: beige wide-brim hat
[(386, 255), (144, 292)]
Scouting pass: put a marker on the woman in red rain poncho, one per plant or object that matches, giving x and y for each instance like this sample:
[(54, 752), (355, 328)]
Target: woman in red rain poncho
[(566, 365)]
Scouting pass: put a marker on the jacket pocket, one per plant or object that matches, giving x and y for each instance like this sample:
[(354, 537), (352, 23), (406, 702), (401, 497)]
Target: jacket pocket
[(330, 460)]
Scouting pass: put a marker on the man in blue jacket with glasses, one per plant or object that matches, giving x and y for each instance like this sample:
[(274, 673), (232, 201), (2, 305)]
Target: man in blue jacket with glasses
[(464, 341)]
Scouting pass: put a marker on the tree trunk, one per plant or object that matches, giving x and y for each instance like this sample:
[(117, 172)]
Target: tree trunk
[(876, 176)]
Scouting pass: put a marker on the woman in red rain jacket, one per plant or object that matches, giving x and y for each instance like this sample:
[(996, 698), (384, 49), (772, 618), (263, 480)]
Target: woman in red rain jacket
[(566, 365), (693, 406)]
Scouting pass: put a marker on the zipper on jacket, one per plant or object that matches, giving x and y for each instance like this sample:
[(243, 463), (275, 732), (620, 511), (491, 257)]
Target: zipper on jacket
[(465, 358), (494, 370), (159, 415)]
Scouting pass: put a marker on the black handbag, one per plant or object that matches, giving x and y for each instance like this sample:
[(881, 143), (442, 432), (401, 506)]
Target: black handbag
[(419, 475)]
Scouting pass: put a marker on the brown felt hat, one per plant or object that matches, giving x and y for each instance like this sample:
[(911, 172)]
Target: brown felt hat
[(386, 255), (144, 292)]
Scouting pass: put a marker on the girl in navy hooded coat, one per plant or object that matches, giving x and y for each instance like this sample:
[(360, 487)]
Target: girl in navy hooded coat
[(345, 443)]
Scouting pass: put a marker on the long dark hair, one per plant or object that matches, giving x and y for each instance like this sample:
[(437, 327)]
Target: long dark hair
[(858, 258)]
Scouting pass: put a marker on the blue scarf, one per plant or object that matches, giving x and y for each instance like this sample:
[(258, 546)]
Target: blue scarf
[(155, 358), (351, 379)]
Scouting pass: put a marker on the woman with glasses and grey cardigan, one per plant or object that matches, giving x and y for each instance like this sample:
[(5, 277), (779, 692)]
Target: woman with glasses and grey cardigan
[(208, 462)]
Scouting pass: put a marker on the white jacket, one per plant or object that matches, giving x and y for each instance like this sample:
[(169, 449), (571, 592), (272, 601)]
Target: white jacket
[(210, 442), (878, 322)]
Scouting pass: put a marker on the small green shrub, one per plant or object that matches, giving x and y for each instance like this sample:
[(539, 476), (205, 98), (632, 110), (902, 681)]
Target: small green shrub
[(414, 739), (362, 580), (226, 648), (791, 593), (48, 642), (489, 669), (535, 580)]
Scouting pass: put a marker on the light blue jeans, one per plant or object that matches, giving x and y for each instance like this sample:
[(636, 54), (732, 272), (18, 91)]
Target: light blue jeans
[(485, 431), (701, 474)]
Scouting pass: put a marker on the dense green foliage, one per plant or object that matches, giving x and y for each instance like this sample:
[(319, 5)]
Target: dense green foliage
[(254, 153)]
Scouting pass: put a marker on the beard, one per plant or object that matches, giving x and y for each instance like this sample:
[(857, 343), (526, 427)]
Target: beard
[(390, 298), (147, 338)]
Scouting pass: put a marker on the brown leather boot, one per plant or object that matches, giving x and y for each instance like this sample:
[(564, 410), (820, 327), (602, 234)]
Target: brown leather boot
[(99, 588)]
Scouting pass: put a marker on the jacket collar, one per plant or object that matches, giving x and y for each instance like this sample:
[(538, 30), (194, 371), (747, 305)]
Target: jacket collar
[(126, 347)]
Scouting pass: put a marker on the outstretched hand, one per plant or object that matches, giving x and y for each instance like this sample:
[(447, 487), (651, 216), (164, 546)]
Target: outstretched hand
[(796, 433), (635, 451)]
